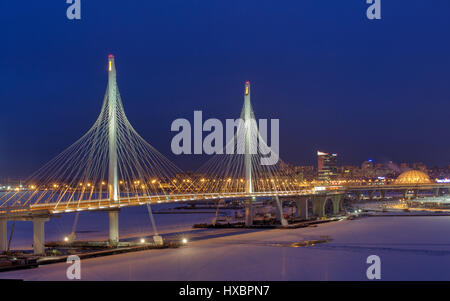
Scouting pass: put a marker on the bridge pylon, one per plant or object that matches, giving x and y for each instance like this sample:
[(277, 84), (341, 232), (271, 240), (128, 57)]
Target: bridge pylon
[(113, 178), (109, 167), (248, 123), (244, 168), (112, 129), (302, 208)]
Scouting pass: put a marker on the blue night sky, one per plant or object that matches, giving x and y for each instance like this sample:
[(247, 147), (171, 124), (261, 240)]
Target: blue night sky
[(337, 81)]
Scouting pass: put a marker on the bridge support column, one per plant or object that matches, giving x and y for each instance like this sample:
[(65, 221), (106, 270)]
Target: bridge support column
[(248, 212), (416, 193), (436, 192), (302, 208), (358, 195), (39, 235), (382, 194), (319, 205), (405, 194), (336, 200), (371, 194), (113, 227), (3, 235), (279, 211)]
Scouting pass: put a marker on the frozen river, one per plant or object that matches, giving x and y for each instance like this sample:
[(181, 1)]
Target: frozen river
[(410, 248)]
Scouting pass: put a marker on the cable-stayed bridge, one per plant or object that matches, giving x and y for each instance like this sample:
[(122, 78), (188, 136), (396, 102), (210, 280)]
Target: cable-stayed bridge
[(112, 166)]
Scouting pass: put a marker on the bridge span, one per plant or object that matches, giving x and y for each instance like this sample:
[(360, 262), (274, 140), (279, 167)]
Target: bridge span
[(112, 166), (42, 212)]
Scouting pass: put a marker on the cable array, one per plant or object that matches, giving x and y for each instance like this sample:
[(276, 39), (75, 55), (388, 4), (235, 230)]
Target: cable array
[(80, 173), (226, 172)]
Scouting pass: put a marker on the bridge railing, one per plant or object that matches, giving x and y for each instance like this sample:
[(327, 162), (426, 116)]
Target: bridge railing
[(9, 211)]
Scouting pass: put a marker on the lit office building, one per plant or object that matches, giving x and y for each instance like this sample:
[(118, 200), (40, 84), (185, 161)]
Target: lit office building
[(326, 166)]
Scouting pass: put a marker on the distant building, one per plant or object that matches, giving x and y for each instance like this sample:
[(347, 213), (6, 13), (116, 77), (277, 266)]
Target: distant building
[(367, 165), (349, 172), (305, 173), (367, 169), (326, 166), (404, 167), (420, 166)]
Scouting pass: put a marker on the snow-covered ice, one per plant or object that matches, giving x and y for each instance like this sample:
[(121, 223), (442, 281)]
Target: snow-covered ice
[(410, 248), (133, 222)]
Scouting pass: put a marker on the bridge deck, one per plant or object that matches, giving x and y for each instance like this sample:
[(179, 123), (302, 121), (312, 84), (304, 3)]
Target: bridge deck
[(105, 204)]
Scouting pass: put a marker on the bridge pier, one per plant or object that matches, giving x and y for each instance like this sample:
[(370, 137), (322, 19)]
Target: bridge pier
[(113, 227), (248, 212), (382, 194), (302, 208), (279, 211), (371, 194), (39, 235), (3, 235), (336, 200), (319, 205), (405, 193), (436, 192)]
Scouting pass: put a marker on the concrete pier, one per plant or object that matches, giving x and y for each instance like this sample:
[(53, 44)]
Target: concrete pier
[(113, 227), (3, 235), (436, 192), (248, 212), (279, 211), (336, 200), (302, 208), (319, 205), (39, 235)]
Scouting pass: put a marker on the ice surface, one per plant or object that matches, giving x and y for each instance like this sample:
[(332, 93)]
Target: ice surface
[(410, 248), (133, 221)]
